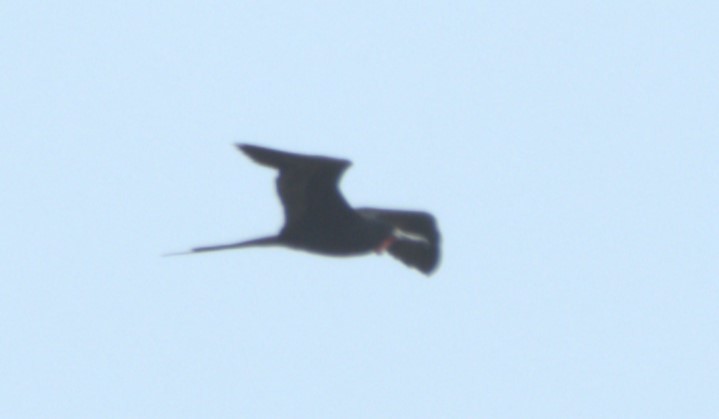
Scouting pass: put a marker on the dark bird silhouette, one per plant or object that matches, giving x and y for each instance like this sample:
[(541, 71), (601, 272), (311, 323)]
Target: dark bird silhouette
[(318, 219)]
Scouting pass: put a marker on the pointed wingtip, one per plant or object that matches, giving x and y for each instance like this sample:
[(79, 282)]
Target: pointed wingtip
[(243, 147), (178, 253)]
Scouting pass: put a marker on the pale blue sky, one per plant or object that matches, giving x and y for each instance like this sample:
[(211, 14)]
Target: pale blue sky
[(569, 149)]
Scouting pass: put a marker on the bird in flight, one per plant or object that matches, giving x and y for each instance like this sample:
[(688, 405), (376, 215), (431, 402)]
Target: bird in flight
[(319, 220)]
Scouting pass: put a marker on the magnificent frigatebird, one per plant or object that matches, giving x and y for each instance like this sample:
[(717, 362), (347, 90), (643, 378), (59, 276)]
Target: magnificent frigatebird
[(319, 220)]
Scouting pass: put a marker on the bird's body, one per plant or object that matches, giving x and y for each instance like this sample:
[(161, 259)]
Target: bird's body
[(318, 219)]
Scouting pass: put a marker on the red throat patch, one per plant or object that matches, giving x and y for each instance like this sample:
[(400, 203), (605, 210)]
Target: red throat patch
[(386, 243)]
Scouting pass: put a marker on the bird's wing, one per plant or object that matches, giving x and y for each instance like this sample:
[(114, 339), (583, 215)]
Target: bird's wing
[(307, 185), (417, 237)]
